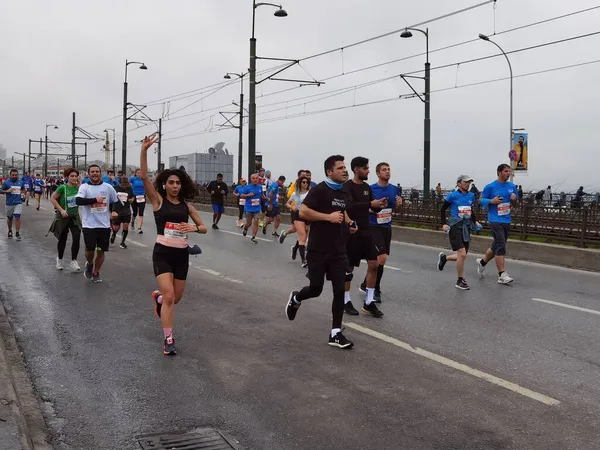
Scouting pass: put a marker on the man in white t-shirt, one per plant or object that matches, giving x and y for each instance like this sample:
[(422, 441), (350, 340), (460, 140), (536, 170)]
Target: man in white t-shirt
[(93, 199)]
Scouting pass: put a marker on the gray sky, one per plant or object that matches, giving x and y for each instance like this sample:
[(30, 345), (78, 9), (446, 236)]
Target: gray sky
[(59, 57)]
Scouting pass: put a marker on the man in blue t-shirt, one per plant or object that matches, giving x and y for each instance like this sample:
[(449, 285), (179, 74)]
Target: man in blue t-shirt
[(272, 204), (139, 203), (253, 194), (27, 186), (38, 190), (462, 220), (13, 188), (237, 192), (498, 197), (110, 178), (380, 223)]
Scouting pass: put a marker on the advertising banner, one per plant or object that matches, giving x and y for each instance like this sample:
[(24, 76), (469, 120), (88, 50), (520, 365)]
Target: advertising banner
[(519, 154)]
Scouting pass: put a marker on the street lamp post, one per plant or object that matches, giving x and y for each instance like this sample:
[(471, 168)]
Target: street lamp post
[(114, 149), (241, 126), (46, 147), (427, 121), (124, 142), (486, 38), (252, 72)]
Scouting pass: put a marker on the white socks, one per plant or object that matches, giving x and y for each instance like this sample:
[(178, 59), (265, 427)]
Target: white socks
[(370, 293), (347, 297), (335, 331)]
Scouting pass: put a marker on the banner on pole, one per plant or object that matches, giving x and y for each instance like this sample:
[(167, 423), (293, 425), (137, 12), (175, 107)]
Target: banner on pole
[(519, 154)]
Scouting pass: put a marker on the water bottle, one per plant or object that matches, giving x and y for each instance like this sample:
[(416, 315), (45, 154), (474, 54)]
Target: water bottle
[(478, 227)]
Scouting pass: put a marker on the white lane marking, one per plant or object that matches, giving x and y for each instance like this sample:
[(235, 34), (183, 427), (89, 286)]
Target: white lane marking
[(212, 272), (457, 366), (240, 235), (564, 305), (139, 244), (218, 274), (43, 209), (398, 269)]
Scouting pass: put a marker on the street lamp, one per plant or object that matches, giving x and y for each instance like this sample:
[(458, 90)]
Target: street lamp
[(241, 113), (46, 152), (252, 71), (124, 142), (114, 149), (486, 38), (427, 124)]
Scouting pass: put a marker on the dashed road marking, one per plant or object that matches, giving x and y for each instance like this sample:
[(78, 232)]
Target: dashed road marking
[(397, 268), (139, 244), (240, 235), (220, 275), (457, 366), (564, 305)]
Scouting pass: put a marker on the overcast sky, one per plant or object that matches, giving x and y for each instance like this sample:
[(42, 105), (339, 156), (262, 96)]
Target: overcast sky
[(59, 56)]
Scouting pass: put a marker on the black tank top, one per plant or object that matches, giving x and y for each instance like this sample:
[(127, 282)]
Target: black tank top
[(170, 212)]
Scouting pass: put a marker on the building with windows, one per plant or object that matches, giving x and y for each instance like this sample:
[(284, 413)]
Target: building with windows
[(204, 167)]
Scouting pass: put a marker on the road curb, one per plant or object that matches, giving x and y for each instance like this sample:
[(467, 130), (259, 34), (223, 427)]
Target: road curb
[(16, 388)]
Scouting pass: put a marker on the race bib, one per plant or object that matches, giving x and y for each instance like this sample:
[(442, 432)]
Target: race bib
[(255, 201), (15, 189), (37, 189), (264, 188), (242, 201), (503, 209), (140, 198), (464, 212), (26, 186), (384, 216), (98, 208), (172, 231), (71, 202), (122, 196)]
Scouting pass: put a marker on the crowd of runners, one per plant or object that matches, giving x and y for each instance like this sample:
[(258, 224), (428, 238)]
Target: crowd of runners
[(338, 223)]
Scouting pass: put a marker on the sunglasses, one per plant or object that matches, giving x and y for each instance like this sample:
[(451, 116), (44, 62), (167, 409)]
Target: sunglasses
[(304, 182)]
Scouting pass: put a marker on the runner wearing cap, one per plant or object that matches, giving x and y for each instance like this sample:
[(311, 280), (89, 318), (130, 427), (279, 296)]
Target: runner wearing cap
[(462, 220), (239, 189)]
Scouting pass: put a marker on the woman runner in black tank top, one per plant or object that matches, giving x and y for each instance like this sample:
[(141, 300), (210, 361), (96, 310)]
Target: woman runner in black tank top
[(170, 256)]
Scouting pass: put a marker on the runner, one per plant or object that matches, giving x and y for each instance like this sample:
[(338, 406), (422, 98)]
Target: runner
[(93, 198), (169, 196), (252, 194), (360, 244), (38, 190), (325, 208), (273, 211), (218, 191), (139, 204), (462, 221), (262, 180), (13, 188), (309, 176), (294, 204), (123, 209), (64, 200), (239, 189), (380, 223), (110, 178), (27, 186), (498, 197), (291, 190)]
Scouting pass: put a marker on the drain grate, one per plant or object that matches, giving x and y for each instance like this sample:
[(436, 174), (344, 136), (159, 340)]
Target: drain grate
[(200, 439)]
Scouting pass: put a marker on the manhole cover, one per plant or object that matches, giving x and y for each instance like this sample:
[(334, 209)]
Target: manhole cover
[(201, 439)]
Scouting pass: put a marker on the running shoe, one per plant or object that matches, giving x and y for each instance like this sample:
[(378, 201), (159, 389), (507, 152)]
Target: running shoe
[(294, 252), (140, 231), (441, 261), (157, 306), (17, 236), (74, 265), (123, 245), (480, 268), (350, 309), (96, 278), (10, 234), (38, 208), (505, 278), (253, 240), (275, 234), (261, 223), (282, 237), (113, 237), (292, 306), (340, 341), (462, 284), (304, 264), (59, 264), (244, 231), (377, 296), (264, 228), (195, 250), (363, 288), (88, 270), (169, 347), (214, 226), (372, 309), (238, 223)]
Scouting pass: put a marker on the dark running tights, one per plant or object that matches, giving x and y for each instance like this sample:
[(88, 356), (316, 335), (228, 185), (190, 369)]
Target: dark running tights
[(337, 306), (62, 240)]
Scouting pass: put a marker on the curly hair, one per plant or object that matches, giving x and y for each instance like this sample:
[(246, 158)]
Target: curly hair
[(299, 183), (68, 171), (188, 190)]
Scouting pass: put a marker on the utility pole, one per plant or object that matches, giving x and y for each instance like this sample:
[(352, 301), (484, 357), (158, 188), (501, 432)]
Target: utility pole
[(73, 140), (252, 105), (85, 156), (29, 164), (158, 151), (124, 139), (114, 150), (241, 138), (46, 155)]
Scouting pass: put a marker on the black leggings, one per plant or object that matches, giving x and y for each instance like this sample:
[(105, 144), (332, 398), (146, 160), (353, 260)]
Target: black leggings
[(137, 208), (62, 240), (241, 209)]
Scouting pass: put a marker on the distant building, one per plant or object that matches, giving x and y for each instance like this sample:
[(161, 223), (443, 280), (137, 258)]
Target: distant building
[(2, 153), (204, 167)]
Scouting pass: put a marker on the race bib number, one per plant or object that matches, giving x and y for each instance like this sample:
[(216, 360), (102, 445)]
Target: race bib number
[(71, 202), (15, 189), (504, 209), (384, 216), (255, 201), (140, 198), (37, 189), (26, 186), (172, 231), (264, 188), (122, 196), (242, 201), (98, 208), (464, 212)]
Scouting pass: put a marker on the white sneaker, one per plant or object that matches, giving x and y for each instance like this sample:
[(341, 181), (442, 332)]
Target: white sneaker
[(74, 265), (480, 268), (59, 264), (505, 278)]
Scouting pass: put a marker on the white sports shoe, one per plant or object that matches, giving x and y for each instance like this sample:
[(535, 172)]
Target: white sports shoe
[(59, 264), (480, 268), (505, 278), (74, 265)]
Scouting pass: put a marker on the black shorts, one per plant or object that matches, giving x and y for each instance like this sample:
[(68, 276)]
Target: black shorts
[(332, 267), (170, 260), (273, 212), (360, 246), (500, 232), (456, 238), (263, 206), (138, 208), (296, 217), (96, 238), (121, 219), (382, 239)]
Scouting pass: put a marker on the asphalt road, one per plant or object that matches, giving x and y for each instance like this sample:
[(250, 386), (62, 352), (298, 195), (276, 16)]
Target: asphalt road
[(489, 368)]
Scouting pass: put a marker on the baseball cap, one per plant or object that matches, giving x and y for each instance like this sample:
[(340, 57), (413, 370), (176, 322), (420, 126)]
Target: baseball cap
[(464, 178)]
